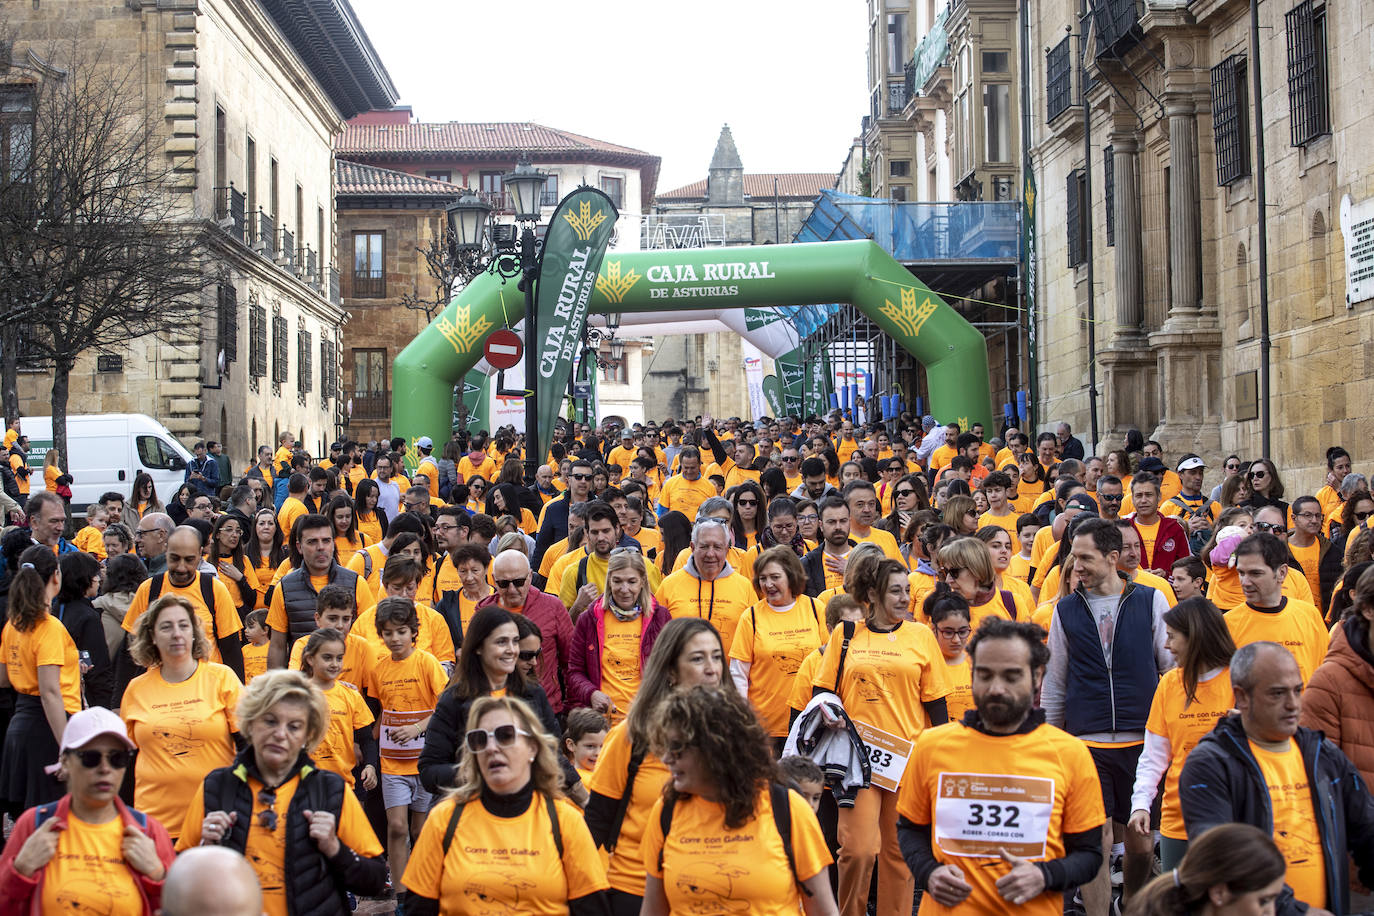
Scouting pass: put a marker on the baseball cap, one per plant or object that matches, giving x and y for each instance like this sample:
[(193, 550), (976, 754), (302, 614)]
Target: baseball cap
[(87, 725), (1191, 462), (336, 446), (425, 442), (626, 434), (1151, 464), (1081, 501)]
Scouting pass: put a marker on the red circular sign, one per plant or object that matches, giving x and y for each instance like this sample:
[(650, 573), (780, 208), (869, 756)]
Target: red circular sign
[(504, 349)]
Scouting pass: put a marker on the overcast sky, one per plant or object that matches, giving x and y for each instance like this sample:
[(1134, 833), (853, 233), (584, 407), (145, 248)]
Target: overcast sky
[(786, 75)]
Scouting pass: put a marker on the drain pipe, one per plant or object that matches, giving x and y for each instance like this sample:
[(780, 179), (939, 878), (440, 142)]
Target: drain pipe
[(1265, 343)]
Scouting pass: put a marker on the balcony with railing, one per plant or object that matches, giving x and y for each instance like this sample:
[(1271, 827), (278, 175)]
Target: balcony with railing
[(369, 283), (331, 283), (267, 235), (548, 198), (930, 233), (287, 257), (1117, 23), (368, 404), (931, 54), (499, 201), (229, 212)]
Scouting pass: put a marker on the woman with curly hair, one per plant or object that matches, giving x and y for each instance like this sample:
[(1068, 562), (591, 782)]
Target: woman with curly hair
[(719, 814), (509, 794)]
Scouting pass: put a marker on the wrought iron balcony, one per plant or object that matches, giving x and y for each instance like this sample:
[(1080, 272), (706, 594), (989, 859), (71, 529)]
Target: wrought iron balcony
[(267, 234), (1117, 23), (499, 201), (331, 280), (369, 284), (368, 404), (229, 212), (288, 248)]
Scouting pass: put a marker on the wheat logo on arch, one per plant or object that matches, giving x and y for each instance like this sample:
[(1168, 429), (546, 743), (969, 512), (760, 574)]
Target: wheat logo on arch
[(614, 286), (462, 332), (584, 222), (909, 317)]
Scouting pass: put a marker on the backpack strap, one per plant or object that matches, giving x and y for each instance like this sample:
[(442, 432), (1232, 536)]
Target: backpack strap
[(367, 565), (582, 571), (665, 823), (207, 592), (556, 827), (782, 819), (623, 805), (844, 651), (1009, 602), (452, 825), (155, 589)]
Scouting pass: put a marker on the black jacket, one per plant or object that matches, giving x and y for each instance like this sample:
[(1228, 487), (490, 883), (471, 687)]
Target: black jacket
[(554, 529), (814, 564), (1221, 782), (438, 762)]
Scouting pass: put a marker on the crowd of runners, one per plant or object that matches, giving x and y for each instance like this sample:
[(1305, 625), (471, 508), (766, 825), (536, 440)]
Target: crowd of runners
[(691, 667)]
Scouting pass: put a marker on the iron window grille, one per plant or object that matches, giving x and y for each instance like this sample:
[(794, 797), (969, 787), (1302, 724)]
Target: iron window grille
[(1231, 119), (1058, 80), (1109, 192), (1309, 113), (1073, 218), (228, 333), (257, 340), (305, 362), (280, 367)]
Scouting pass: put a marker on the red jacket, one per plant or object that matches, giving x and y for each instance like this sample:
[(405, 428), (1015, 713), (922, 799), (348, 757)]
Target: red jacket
[(588, 638), (1171, 543), (554, 622), (20, 896)]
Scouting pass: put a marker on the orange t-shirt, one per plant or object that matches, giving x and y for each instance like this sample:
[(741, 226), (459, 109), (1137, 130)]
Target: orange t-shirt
[(47, 643), (625, 869), (773, 642), (408, 690), (347, 714)]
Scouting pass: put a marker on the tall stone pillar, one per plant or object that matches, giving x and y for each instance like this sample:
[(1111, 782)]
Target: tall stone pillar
[(1130, 306), (1185, 226)]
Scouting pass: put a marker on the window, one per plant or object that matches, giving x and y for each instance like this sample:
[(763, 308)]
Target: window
[(300, 217), (16, 131), (896, 43), (319, 235), (156, 455), (549, 196), (494, 190), (250, 167), (997, 122), (227, 302), (615, 370), (1058, 81), (305, 361), (275, 188), (444, 175), (221, 148), (995, 61), (1231, 119), (1310, 117), (257, 340), (281, 369), (369, 276), (615, 189), (1074, 215), (899, 168), (1109, 192), (897, 192), (369, 371), (329, 370)]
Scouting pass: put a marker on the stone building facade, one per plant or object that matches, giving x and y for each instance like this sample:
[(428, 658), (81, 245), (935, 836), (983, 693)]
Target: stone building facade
[(696, 374), (1173, 224), (252, 93)]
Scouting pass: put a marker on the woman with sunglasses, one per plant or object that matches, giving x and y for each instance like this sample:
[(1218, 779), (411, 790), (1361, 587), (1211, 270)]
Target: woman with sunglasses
[(907, 497), (612, 639), (487, 666), (231, 564), (509, 797), (1355, 513), (893, 683), (88, 851), (180, 713), (629, 778), (960, 513), (477, 490), (967, 567), (302, 830), (719, 815), (1000, 548), (746, 515), (1266, 487)]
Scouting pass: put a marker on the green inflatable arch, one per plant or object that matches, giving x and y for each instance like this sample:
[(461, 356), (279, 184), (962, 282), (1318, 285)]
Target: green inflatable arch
[(953, 352)]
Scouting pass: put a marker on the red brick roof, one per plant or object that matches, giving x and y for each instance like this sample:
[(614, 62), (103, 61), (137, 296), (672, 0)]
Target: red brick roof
[(358, 180), (760, 184)]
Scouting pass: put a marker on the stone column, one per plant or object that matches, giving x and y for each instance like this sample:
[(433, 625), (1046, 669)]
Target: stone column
[(1130, 306), (1185, 231)]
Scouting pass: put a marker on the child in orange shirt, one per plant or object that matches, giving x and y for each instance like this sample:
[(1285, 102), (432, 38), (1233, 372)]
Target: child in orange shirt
[(255, 652), (350, 721)]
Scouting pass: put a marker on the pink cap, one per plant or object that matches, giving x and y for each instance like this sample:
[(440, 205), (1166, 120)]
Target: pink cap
[(86, 726)]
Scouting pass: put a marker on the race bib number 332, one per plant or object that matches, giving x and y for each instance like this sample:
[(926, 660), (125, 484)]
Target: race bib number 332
[(980, 814)]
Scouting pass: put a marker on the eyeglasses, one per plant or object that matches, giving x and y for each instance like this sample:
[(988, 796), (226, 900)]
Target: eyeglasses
[(1109, 498), (1271, 527), (580, 476), (504, 735), (511, 583), (1256, 475), (118, 759), (267, 818), (1233, 467), (528, 655), (809, 518), (1361, 516), (629, 549), (747, 502), (951, 573), (947, 633), (791, 458)]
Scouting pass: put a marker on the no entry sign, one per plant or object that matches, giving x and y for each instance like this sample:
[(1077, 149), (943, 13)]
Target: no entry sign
[(504, 349)]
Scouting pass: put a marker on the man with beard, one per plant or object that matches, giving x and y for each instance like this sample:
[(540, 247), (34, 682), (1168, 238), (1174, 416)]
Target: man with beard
[(1001, 810)]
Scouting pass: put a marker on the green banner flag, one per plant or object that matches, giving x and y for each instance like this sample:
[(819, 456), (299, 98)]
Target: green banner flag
[(792, 371), (578, 234), (772, 393), (819, 384)]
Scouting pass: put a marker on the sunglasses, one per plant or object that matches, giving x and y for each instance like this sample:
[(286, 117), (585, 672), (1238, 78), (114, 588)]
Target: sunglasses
[(91, 759), (1361, 516), (528, 655), (951, 573), (1256, 475), (504, 735), (1109, 498), (580, 476), (1233, 467), (267, 818), (1272, 527), (511, 583), (791, 459), (747, 502)]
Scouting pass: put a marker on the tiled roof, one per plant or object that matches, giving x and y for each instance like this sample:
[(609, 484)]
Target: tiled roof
[(358, 180), (460, 139), (760, 184)]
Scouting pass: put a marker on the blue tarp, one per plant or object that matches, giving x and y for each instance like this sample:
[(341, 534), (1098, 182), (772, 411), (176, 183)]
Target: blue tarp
[(962, 231)]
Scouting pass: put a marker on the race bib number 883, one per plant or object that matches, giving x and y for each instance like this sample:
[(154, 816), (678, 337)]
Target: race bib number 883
[(980, 814)]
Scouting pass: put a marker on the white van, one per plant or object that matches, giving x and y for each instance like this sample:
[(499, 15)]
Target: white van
[(107, 452)]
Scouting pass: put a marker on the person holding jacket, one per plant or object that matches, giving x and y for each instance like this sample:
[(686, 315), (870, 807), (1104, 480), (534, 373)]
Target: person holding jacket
[(612, 641), (1260, 767), (87, 851)]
